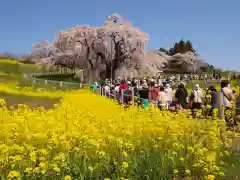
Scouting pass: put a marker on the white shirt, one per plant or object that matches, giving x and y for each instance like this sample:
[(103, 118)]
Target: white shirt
[(198, 95), (162, 98), (169, 94), (117, 88), (107, 89), (225, 100)]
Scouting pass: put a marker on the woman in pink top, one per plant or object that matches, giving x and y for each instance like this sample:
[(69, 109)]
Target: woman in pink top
[(153, 93)]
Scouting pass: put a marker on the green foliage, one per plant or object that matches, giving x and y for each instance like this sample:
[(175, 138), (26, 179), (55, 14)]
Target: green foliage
[(163, 50), (179, 47)]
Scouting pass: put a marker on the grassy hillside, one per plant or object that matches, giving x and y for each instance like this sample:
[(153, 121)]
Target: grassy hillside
[(11, 80), (16, 68)]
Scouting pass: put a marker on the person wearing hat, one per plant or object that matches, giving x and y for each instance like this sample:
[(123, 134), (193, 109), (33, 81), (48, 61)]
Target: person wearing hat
[(196, 98)]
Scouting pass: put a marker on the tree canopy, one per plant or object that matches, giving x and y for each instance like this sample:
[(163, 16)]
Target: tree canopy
[(179, 47), (99, 50)]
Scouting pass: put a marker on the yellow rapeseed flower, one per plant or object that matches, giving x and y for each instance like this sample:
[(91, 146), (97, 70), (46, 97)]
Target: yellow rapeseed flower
[(94, 132), (125, 164), (187, 171), (67, 178), (210, 177), (14, 174)]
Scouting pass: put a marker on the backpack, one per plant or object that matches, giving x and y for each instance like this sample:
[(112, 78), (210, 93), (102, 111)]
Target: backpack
[(126, 91)]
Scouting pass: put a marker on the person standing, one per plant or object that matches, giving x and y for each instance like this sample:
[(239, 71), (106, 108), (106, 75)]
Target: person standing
[(117, 93), (162, 98), (94, 86), (213, 93), (196, 97), (107, 90), (169, 92), (143, 95), (226, 96), (182, 97), (153, 93)]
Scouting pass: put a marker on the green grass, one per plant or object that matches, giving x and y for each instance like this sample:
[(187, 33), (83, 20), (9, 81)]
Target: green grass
[(59, 77), (11, 76), (202, 84), (216, 84)]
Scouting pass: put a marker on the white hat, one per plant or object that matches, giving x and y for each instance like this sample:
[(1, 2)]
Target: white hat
[(197, 86), (145, 85), (167, 85)]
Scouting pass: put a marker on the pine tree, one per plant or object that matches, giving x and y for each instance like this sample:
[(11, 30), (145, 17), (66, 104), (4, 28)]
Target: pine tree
[(189, 46), (176, 48), (182, 46)]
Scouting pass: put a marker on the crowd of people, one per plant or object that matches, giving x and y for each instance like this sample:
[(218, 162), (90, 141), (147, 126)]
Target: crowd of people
[(159, 92)]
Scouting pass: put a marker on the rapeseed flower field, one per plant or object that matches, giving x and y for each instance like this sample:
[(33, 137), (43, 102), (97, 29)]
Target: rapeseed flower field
[(87, 136)]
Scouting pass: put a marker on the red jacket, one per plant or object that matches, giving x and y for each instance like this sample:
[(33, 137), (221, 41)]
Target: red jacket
[(123, 86)]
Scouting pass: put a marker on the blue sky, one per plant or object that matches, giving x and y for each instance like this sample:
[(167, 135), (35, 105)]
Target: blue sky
[(213, 26)]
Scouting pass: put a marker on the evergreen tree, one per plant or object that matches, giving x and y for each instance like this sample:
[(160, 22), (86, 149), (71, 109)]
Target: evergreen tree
[(171, 52), (163, 50), (182, 46), (189, 46), (176, 48)]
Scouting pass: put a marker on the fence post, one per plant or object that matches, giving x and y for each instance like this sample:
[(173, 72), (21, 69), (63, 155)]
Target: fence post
[(150, 97), (34, 80), (133, 96), (104, 92), (122, 96), (61, 84), (80, 85), (46, 81)]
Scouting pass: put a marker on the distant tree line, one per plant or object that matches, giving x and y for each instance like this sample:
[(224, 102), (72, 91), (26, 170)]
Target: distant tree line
[(179, 47)]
